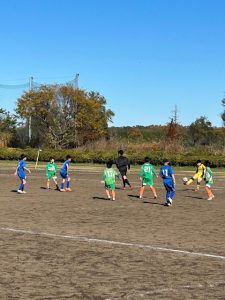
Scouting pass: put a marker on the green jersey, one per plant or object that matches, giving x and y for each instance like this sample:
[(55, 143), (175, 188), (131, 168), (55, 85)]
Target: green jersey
[(208, 175), (109, 176), (51, 169), (147, 171)]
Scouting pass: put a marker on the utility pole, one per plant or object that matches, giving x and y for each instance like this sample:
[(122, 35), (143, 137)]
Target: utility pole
[(76, 109), (29, 120), (175, 115), (76, 81)]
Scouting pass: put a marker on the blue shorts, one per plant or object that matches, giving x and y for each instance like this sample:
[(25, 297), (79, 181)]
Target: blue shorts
[(22, 176), (169, 185), (64, 175)]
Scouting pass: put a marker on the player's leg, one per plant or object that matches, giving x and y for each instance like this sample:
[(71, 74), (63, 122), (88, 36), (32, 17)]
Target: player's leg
[(142, 189), (190, 181), (21, 186), (199, 179), (209, 192), (68, 189), (113, 194), (48, 183), (107, 192), (56, 183), (168, 194), (62, 185), (152, 188), (123, 172)]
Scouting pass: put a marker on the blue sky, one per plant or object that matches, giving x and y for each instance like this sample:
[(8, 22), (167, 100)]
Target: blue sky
[(144, 56)]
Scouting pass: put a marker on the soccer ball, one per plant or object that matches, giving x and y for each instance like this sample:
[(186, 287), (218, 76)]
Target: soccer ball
[(185, 180)]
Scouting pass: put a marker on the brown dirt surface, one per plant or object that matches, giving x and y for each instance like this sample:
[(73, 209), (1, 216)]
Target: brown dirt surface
[(79, 245)]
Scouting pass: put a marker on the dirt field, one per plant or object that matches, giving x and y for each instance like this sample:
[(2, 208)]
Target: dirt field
[(79, 245)]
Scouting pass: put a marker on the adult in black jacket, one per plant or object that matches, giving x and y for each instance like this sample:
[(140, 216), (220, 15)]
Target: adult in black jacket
[(123, 165)]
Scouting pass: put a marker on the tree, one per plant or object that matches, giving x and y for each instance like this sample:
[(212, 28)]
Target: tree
[(7, 127), (201, 132), (65, 117), (7, 122), (223, 114)]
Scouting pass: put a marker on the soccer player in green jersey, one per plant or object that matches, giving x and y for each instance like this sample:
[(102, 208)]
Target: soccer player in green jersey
[(208, 180), (109, 177), (51, 168), (146, 175)]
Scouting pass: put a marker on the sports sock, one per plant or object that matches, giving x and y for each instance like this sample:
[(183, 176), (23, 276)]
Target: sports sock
[(67, 184), (141, 191), (189, 181), (153, 190), (62, 186), (127, 182)]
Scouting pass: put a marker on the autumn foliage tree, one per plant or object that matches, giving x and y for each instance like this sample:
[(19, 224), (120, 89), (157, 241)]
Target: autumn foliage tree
[(65, 117)]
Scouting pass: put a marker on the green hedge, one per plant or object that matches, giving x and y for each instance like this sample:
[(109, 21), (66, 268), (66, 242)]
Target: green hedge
[(136, 157)]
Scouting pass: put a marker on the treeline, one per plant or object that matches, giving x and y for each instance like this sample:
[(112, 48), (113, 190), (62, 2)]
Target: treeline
[(199, 134)]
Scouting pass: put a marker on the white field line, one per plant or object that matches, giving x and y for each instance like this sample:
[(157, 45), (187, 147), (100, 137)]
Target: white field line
[(110, 242)]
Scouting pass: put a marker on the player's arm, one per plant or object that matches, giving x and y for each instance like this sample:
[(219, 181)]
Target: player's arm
[(28, 170), (203, 171), (154, 172), (161, 173), (128, 164), (141, 173), (174, 179), (16, 172)]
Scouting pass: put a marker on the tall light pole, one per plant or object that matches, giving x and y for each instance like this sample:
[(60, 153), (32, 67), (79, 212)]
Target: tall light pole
[(76, 81), (29, 120)]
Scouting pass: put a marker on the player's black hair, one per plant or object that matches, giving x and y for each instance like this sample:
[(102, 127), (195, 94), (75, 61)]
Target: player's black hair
[(147, 159), (109, 164), (120, 152), (165, 160), (207, 163), (198, 161), (51, 157), (68, 157), (22, 156)]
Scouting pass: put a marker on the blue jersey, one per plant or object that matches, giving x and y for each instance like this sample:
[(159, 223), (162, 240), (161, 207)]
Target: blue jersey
[(166, 173), (64, 168), (20, 167)]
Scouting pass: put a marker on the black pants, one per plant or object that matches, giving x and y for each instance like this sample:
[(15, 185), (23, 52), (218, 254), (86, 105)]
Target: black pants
[(123, 172)]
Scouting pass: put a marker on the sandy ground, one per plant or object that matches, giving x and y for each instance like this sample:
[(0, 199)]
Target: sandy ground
[(54, 245)]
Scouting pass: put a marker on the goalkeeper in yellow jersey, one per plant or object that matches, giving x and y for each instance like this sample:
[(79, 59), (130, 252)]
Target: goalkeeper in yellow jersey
[(199, 174)]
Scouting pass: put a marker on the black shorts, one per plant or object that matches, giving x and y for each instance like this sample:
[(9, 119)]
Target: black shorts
[(123, 171)]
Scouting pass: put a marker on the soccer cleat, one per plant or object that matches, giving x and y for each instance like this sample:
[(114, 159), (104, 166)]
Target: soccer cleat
[(20, 192), (140, 197), (169, 200), (113, 199), (68, 190), (155, 196), (165, 204), (24, 192), (62, 190), (210, 198)]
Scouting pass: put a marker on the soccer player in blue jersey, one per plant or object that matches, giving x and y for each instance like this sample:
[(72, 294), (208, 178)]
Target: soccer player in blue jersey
[(21, 172), (167, 174), (65, 176)]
